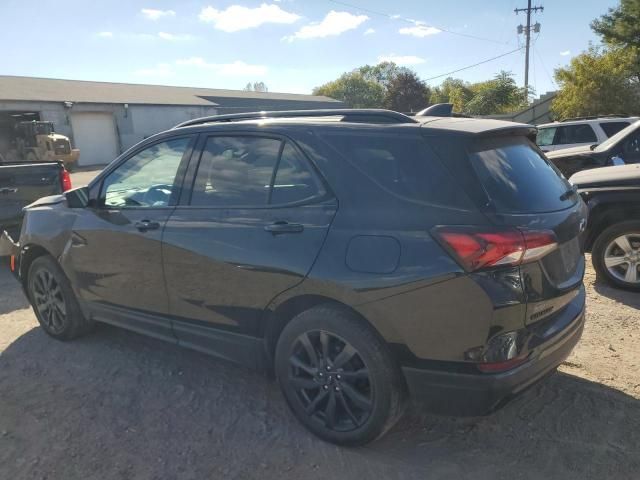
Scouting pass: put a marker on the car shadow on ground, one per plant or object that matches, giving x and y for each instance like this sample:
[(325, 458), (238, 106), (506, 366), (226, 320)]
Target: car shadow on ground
[(12, 296), (118, 405), (626, 297)]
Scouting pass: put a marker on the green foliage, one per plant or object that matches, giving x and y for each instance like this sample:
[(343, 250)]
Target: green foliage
[(406, 93), (353, 89), (499, 95), (383, 73), (598, 82), (620, 27)]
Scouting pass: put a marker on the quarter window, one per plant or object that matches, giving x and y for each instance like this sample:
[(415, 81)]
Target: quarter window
[(147, 179), (611, 128)]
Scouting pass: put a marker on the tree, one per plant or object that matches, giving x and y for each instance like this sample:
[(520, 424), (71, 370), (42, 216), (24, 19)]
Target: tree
[(406, 93), (499, 95), (598, 82), (620, 28), (383, 73), (454, 91), (256, 87), (353, 89)]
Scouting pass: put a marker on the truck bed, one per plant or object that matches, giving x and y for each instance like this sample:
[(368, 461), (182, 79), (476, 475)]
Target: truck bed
[(21, 183)]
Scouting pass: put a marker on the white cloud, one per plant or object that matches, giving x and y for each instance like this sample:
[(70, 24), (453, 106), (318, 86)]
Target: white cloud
[(369, 31), (237, 68), (565, 53), (420, 30), (153, 14), (174, 37), (237, 17), (161, 70), (335, 23), (105, 34), (395, 17), (401, 59)]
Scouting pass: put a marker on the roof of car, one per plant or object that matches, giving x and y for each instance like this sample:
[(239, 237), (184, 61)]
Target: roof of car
[(589, 120), (366, 118)]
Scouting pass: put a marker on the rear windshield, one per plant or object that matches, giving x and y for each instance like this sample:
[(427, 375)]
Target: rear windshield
[(517, 178)]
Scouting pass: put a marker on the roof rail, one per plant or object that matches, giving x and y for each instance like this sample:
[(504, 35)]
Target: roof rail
[(595, 117), (367, 115)]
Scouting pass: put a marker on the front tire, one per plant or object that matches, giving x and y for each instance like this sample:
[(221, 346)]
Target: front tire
[(53, 300), (616, 255), (338, 377)]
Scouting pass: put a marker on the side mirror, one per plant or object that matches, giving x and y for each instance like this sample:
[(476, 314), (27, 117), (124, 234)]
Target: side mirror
[(78, 197)]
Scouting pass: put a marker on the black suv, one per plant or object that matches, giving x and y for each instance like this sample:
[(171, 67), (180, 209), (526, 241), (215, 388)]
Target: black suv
[(613, 231), (360, 255)]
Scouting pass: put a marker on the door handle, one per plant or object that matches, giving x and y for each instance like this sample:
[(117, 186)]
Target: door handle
[(7, 191), (144, 225), (284, 227)]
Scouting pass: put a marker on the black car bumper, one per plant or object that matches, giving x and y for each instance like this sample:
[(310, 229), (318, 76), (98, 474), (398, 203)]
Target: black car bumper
[(467, 394)]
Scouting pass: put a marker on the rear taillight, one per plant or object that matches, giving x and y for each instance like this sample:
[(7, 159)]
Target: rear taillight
[(476, 248), (65, 180)]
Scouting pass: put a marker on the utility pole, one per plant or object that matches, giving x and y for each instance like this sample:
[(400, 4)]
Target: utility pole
[(527, 32)]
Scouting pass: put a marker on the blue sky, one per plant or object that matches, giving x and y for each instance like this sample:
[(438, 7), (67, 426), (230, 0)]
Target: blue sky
[(291, 45)]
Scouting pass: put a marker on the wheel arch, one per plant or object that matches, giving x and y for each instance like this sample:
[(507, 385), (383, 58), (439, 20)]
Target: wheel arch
[(277, 317), (28, 254), (603, 215)]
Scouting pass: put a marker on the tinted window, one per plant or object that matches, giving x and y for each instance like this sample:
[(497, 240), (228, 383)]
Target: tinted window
[(575, 134), (517, 179), (611, 128), (294, 181), (403, 165), (545, 136), (235, 171), (238, 171), (146, 179), (631, 148)]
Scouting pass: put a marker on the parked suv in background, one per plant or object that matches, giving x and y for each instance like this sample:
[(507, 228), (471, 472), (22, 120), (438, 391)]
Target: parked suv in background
[(579, 132), (613, 231), (359, 254), (622, 148)]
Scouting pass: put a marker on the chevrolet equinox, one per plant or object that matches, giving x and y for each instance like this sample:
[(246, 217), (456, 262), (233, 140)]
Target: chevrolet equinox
[(361, 256)]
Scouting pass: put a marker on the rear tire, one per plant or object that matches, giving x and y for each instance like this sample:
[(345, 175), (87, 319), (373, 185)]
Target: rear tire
[(616, 255), (53, 300), (338, 377)]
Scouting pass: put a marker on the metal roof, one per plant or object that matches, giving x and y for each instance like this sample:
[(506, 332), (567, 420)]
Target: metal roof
[(80, 91)]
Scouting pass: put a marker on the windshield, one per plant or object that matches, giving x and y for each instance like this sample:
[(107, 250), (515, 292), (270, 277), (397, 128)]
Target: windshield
[(607, 144)]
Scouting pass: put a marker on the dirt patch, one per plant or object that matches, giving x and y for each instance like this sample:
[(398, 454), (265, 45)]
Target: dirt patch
[(115, 405)]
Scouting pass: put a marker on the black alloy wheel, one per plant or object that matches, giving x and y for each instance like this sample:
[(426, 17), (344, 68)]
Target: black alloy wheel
[(49, 301), (338, 375), (331, 380), (54, 301)]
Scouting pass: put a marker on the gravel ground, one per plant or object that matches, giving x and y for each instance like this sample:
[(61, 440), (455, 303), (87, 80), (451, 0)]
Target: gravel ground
[(116, 405)]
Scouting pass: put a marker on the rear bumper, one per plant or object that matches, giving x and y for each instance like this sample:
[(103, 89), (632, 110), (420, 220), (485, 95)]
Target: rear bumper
[(465, 394)]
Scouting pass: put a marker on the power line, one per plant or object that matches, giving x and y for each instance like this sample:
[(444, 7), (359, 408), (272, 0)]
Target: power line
[(414, 22), (475, 64)]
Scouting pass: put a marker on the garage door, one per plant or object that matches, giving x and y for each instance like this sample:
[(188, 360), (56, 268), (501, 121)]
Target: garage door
[(95, 135)]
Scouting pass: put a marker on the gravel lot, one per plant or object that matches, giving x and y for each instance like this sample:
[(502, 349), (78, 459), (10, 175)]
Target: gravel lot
[(116, 405)]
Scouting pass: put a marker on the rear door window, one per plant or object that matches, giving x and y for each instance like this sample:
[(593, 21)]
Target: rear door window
[(611, 128), (569, 134), (403, 165), (517, 178)]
